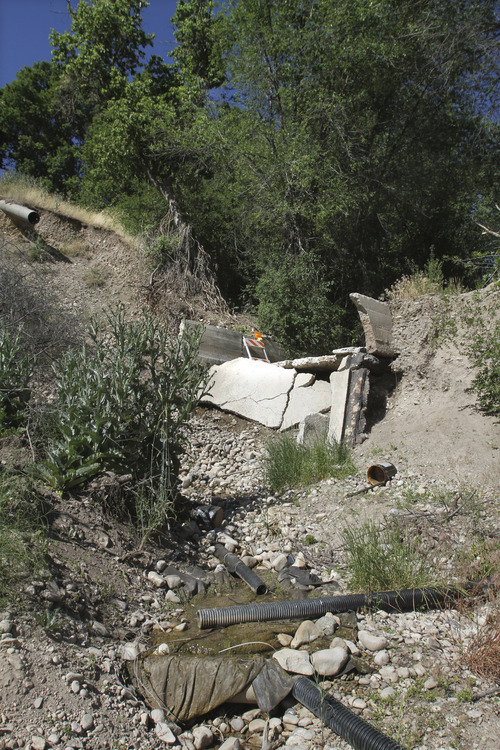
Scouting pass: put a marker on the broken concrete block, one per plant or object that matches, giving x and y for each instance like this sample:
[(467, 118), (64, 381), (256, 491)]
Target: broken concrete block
[(339, 382), (357, 403), (254, 390), (306, 400), (326, 362), (376, 319), (313, 429)]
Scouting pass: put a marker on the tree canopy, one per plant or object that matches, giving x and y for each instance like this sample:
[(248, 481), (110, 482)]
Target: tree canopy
[(313, 148)]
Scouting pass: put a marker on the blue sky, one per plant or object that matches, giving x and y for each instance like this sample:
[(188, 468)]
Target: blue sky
[(25, 26)]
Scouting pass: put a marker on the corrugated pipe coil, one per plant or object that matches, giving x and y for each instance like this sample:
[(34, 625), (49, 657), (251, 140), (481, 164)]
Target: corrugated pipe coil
[(356, 731), (238, 567), (403, 600)]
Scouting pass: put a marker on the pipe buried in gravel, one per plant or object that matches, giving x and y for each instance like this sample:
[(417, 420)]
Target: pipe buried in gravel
[(352, 728), (403, 600), (236, 566), (20, 213)]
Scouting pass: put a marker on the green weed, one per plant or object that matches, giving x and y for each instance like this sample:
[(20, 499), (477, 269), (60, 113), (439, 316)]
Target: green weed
[(15, 372), (287, 464), (381, 557), (124, 403), (22, 533)]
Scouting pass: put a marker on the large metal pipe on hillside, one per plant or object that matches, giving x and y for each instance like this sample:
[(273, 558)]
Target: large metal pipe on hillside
[(20, 213)]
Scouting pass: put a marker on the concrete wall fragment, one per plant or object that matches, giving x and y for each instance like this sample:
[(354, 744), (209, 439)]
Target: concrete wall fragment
[(254, 390), (306, 400), (220, 345), (356, 406), (376, 319), (339, 383), (313, 428)]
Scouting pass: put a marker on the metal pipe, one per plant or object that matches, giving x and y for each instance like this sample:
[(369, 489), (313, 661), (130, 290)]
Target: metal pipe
[(16, 212), (348, 725), (391, 601), (236, 566)]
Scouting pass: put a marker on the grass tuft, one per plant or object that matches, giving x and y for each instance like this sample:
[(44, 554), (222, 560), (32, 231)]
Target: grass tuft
[(381, 557), (287, 464)]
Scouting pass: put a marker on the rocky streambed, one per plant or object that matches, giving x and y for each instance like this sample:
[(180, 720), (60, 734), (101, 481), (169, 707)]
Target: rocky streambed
[(65, 674)]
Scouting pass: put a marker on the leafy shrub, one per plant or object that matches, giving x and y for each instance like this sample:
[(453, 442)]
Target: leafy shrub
[(287, 464), (125, 400), (294, 306), (15, 371), (429, 281), (384, 557), (484, 351), (476, 329)]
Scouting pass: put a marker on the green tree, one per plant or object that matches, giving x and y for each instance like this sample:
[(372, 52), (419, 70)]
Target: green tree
[(358, 138), (35, 136), (104, 46), (198, 33)]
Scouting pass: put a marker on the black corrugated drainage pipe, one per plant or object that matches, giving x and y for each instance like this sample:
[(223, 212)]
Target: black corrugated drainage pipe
[(403, 600), (20, 213), (356, 731), (236, 566)]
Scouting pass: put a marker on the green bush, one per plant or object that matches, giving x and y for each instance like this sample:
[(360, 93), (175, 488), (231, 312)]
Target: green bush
[(15, 372), (124, 402), (476, 330), (287, 464), (384, 557)]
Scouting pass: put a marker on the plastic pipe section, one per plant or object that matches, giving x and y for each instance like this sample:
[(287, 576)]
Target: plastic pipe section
[(356, 731), (236, 566), (16, 212), (403, 600)]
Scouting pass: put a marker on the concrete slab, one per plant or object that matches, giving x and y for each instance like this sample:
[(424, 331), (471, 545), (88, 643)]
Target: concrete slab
[(306, 400), (376, 319), (339, 382), (313, 428), (254, 390), (220, 345)]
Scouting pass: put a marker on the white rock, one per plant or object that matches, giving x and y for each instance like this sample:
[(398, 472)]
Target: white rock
[(38, 743), (157, 715), (372, 641), (128, 652), (165, 734), (326, 624), (305, 633), (381, 658), (293, 661), (256, 726), (387, 692), (330, 661), (430, 683), (173, 581), (237, 724), (156, 578), (171, 596), (232, 743), (202, 737), (280, 562), (87, 722)]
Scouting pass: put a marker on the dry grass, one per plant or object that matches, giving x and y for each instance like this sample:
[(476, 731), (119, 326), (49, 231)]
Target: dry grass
[(418, 284), (483, 655), (25, 191)]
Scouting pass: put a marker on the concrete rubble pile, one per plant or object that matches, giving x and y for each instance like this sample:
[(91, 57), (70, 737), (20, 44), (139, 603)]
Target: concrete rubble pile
[(325, 396)]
